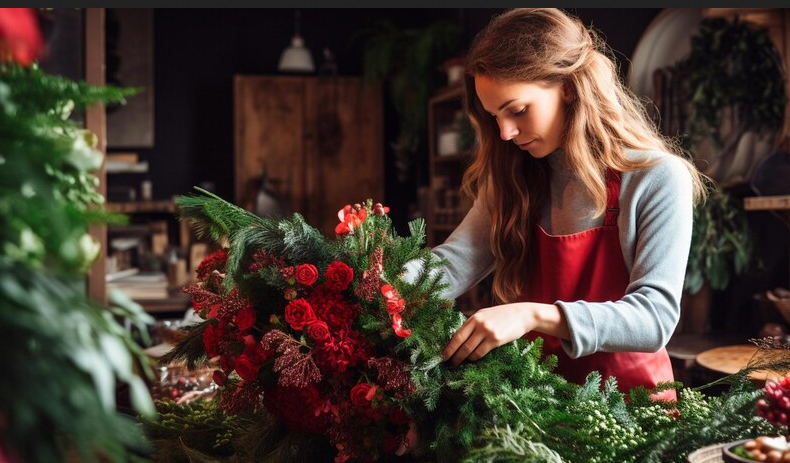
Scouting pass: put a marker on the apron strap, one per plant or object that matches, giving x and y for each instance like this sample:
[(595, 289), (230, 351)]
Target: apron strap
[(613, 198)]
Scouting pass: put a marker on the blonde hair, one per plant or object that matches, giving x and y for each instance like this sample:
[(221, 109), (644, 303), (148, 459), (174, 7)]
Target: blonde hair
[(603, 119)]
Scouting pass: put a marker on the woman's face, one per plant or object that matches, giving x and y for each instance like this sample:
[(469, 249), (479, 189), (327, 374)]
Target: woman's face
[(530, 114)]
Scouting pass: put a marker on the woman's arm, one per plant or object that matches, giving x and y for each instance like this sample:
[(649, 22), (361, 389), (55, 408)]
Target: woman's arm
[(655, 233), (466, 251)]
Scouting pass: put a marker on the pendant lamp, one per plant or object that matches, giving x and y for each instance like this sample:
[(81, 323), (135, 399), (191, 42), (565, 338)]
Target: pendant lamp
[(296, 58)]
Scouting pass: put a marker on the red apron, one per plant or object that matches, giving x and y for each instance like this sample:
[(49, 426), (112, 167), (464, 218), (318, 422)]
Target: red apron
[(589, 266)]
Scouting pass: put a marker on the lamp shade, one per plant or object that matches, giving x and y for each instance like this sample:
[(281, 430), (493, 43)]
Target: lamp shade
[(296, 58)]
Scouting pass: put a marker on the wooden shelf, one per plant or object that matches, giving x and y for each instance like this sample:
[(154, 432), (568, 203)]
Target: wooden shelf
[(135, 207), (767, 203)]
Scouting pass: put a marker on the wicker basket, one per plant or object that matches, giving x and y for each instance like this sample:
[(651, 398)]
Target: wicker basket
[(709, 454)]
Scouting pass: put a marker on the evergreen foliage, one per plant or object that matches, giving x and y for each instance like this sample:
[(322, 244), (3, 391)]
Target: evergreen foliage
[(62, 355), (510, 405)]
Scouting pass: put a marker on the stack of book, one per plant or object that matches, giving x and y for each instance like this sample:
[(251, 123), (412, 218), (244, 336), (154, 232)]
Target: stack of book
[(139, 285)]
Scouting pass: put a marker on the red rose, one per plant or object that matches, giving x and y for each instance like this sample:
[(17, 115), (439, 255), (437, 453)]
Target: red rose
[(254, 351), (306, 274), (245, 318), (318, 331), (20, 39), (298, 314), (339, 275), (246, 368), (359, 395)]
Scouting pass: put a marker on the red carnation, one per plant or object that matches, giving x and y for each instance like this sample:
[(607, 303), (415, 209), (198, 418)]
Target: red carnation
[(298, 314), (213, 261), (306, 274), (339, 275), (318, 331)]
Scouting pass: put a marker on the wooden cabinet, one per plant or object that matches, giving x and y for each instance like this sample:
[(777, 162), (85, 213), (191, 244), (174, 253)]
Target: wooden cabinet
[(320, 141)]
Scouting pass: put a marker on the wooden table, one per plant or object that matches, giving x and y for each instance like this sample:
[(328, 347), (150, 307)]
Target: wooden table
[(731, 359)]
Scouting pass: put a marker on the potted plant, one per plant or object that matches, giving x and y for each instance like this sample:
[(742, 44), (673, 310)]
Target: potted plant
[(734, 85)]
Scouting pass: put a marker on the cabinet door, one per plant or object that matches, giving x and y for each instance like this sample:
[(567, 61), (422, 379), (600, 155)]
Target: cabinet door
[(321, 138), (345, 148), (270, 124)]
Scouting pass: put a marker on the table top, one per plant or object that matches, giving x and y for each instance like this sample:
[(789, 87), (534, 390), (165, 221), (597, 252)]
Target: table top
[(731, 359)]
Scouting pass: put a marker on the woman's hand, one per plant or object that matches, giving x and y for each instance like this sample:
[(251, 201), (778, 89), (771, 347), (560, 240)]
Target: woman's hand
[(494, 326)]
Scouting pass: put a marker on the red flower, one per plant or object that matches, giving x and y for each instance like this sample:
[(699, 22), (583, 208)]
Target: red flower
[(339, 275), (245, 318), (20, 39), (246, 368), (342, 350), (301, 409), (219, 377), (359, 394), (318, 331), (306, 274), (211, 337), (213, 261), (298, 314), (395, 305), (350, 218), (388, 292), (362, 396), (397, 325)]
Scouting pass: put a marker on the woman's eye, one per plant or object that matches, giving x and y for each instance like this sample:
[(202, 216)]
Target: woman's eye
[(520, 112)]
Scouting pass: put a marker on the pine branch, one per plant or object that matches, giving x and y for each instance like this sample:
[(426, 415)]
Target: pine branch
[(212, 216)]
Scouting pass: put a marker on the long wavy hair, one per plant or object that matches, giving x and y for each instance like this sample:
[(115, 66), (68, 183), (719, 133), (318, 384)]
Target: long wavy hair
[(603, 119)]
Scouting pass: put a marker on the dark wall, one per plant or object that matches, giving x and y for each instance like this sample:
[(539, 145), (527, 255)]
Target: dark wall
[(197, 52)]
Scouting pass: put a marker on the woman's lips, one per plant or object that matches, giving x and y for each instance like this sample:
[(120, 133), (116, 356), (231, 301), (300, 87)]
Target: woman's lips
[(525, 146)]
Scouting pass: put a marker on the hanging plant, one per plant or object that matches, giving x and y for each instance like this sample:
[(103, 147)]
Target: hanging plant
[(733, 71), (409, 60)]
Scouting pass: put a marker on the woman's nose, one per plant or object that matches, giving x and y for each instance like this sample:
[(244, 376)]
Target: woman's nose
[(507, 130)]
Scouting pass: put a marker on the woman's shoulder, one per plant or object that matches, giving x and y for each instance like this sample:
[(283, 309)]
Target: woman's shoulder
[(662, 170), (658, 165)]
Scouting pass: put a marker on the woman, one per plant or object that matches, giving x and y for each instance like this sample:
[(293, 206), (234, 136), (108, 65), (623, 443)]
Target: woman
[(582, 209)]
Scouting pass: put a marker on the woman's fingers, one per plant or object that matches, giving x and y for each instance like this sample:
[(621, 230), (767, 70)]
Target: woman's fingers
[(463, 344)]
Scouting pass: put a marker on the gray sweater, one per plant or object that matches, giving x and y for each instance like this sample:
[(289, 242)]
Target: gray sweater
[(654, 223)]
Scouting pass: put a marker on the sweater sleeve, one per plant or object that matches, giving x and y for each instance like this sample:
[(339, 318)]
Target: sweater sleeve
[(466, 251), (656, 231)]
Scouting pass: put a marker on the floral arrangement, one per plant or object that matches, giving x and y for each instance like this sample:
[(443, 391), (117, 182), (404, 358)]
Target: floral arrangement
[(324, 352)]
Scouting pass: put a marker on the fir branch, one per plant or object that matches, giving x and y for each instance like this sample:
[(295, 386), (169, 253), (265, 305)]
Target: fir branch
[(190, 349)]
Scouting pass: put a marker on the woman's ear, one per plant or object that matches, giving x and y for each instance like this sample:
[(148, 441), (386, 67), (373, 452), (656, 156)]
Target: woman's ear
[(568, 92)]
